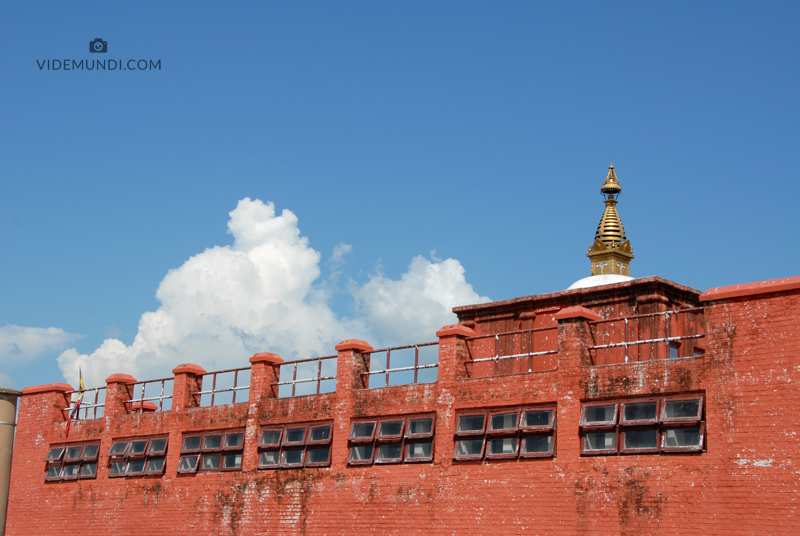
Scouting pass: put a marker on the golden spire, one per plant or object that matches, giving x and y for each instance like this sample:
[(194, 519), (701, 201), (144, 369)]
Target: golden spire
[(611, 252)]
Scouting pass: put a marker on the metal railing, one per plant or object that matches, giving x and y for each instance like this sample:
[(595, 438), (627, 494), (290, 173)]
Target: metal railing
[(525, 338), (164, 386), (91, 402), (633, 323), (404, 356), (231, 381), (315, 367)]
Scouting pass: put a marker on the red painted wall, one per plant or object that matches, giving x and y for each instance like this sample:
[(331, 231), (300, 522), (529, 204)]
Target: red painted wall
[(745, 482)]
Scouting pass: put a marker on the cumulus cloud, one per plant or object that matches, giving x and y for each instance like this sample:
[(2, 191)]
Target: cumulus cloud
[(259, 294), (20, 344), (405, 310)]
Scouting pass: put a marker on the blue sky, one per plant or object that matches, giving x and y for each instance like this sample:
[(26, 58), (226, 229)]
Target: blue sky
[(474, 134)]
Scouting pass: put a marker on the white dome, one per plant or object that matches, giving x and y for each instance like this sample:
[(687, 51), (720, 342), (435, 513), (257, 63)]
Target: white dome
[(599, 280)]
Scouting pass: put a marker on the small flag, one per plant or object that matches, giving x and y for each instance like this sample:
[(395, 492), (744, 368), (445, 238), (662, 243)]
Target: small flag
[(74, 412)]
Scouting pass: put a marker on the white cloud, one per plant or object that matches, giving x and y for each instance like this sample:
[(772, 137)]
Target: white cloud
[(411, 309), (19, 343), (259, 294)]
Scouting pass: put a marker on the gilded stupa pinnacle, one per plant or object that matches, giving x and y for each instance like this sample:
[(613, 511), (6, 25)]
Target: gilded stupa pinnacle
[(611, 252)]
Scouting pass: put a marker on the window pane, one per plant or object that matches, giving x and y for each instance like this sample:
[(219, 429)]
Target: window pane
[(157, 445), (292, 457), (503, 422), (600, 441), (595, 414), (137, 448), (234, 440), (674, 349), (72, 453), (212, 442), (90, 451), (641, 439), (55, 454), (294, 435), (420, 426), (389, 452), (319, 455), (391, 428), (188, 463), (270, 437), (362, 429), (155, 465), (210, 461), (538, 444), (268, 458), (233, 461), (504, 445), (682, 437), (470, 423), (117, 468), (321, 433), (640, 412), (117, 449), (419, 450), (537, 418), (136, 466), (682, 409), (191, 443), (89, 470), (70, 470), (360, 452), (469, 447), (53, 471)]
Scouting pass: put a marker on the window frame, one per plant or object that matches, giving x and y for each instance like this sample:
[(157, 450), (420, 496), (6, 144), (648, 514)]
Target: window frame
[(520, 432), (640, 422), (202, 453), (305, 446), (551, 426), (502, 431), (597, 425), (699, 448), (544, 454), (125, 457), (60, 462), (472, 413), (404, 438), (362, 439), (623, 431), (682, 420)]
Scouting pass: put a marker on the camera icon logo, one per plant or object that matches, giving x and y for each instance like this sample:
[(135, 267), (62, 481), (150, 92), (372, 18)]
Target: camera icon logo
[(98, 45)]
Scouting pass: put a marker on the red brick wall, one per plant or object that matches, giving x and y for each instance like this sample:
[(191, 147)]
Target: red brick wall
[(745, 482)]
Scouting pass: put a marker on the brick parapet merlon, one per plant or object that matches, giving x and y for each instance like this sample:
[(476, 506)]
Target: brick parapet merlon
[(188, 381)]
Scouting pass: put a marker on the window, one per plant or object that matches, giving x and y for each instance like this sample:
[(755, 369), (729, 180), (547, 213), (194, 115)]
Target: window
[(295, 445), (674, 350), (522, 432), (220, 450), (71, 462), (137, 456), (643, 425), (398, 439)]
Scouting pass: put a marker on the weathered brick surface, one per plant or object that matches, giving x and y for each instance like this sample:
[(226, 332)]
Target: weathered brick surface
[(746, 481)]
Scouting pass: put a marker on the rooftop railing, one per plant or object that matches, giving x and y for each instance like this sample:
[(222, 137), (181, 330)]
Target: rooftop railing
[(316, 375), (418, 363), (144, 398), (93, 403), (512, 352), (645, 337), (225, 384)]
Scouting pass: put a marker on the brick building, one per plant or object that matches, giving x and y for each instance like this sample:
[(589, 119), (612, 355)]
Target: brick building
[(618, 406)]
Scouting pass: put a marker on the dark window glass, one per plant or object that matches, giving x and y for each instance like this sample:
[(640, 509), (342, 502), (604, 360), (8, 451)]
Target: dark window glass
[(470, 423), (537, 418), (188, 463), (268, 458), (318, 455), (503, 445), (191, 443), (233, 461), (295, 435), (292, 457), (53, 471), (212, 442), (117, 449), (270, 437), (389, 452), (321, 433), (600, 441), (90, 451), (505, 421), (535, 444), (644, 411), (682, 409), (674, 350), (641, 439), (469, 447), (117, 468), (362, 429), (157, 446), (72, 453), (390, 428), (71, 470), (54, 454), (420, 426), (360, 453), (210, 461), (234, 440), (419, 450), (599, 414), (682, 437), (88, 470), (137, 448), (136, 466), (155, 465)]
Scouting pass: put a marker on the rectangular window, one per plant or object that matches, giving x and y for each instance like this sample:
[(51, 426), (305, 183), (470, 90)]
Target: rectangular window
[(643, 425), (71, 462), (137, 456), (295, 445), (507, 433), (397, 439), (218, 450)]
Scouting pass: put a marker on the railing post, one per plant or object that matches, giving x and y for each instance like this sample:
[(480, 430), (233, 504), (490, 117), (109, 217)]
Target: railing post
[(188, 381), (574, 337), (453, 352), (264, 372), (119, 390)]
